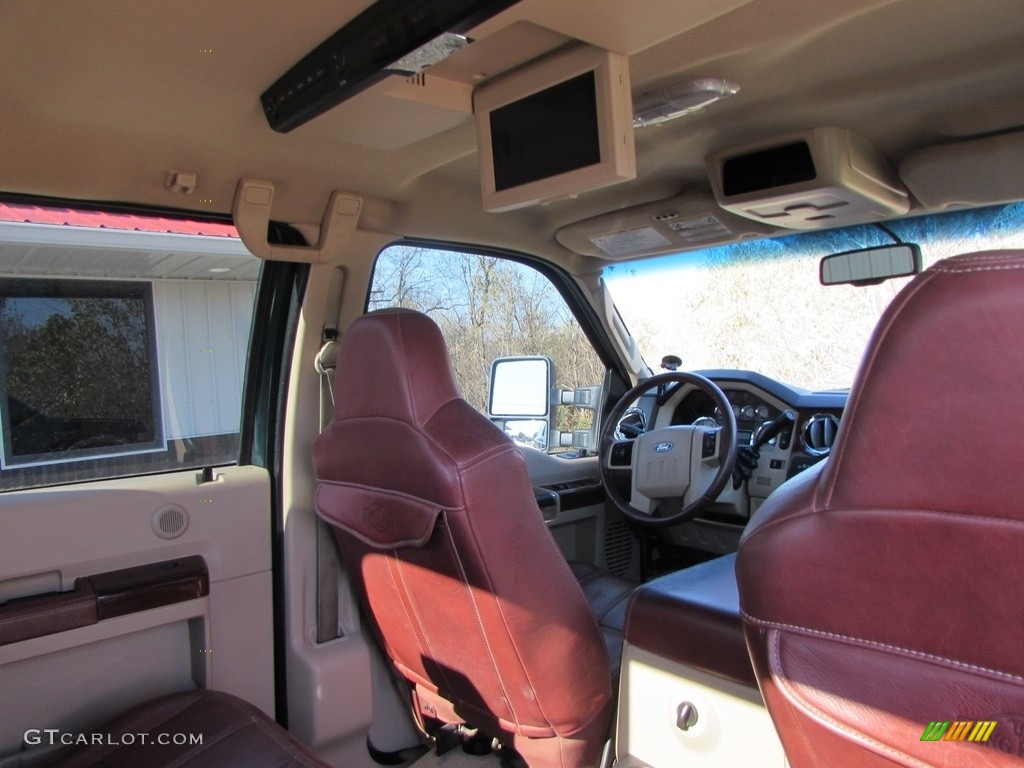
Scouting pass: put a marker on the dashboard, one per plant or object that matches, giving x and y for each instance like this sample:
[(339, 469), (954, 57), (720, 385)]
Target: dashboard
[(755, 399), (750, 409)]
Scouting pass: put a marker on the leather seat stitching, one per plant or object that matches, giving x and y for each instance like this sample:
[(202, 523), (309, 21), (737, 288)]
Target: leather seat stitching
[(480, 623), (398, 591), (993, 257), (432, 654), (962, 516), (942, 660), (953, 269), (575, 582), (185, 705), (490, 453), (563, 563), (471, 462), (791, 693), (386, 492), (515, 646)]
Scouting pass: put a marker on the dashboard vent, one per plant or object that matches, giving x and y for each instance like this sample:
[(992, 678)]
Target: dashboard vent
[(819, 434)]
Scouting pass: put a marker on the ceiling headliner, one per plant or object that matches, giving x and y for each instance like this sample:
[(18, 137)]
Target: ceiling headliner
[(102, 100)]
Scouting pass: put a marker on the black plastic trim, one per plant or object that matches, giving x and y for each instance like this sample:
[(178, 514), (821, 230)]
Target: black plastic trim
[(360, 53), (577, 494)]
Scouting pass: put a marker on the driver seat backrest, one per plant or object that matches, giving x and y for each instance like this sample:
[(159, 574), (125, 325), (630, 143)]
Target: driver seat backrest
[(437, 522), (883, 590)]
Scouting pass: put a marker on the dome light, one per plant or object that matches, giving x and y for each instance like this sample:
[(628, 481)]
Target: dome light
[(675, 101)]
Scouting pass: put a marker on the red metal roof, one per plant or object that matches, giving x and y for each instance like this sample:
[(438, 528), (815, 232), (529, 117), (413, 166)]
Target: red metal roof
[(33, 214)]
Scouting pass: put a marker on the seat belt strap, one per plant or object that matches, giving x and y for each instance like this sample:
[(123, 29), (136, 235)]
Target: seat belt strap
[(326, 361), (328, 569)]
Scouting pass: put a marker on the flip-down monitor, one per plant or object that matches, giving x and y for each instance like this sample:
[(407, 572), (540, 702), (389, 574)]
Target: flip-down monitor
[(555, 129)]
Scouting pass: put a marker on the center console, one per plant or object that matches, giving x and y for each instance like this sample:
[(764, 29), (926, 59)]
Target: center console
[(687, 693)]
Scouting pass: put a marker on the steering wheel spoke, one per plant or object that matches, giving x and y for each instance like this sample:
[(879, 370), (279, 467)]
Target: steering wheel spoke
[(676, 472), (619, 456)]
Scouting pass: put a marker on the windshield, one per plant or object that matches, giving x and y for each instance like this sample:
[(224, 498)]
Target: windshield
[(759, 306)]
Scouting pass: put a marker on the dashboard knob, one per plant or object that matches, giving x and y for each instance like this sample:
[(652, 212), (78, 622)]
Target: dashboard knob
[(686, 716)]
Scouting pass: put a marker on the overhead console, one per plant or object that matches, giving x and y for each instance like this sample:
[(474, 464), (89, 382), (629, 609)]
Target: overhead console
[(689, 221), (555, 128), (815, 179)]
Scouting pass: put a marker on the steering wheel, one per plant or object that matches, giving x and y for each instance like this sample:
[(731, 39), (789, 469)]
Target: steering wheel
[(671, 465)]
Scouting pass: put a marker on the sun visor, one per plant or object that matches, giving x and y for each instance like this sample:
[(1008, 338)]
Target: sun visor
[(967, 173), (816, 179), (690, 221)]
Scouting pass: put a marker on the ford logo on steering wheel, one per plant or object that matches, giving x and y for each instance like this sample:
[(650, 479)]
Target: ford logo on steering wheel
[(663, 447)]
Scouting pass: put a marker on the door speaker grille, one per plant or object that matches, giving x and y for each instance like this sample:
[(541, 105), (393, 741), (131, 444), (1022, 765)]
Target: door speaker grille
[(170, 521)]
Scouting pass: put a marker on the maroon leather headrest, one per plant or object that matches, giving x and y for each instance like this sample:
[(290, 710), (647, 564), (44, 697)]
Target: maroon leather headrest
[(394, 364), (933, 416)]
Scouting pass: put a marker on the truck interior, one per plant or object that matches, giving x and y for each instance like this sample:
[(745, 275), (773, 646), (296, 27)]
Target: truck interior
[(537, 383)]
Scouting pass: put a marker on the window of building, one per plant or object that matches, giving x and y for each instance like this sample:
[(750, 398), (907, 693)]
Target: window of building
[(57, 336), (123, 344)]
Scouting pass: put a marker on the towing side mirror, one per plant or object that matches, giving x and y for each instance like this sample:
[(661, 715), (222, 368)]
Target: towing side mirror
[(519, 398), (520, 388)]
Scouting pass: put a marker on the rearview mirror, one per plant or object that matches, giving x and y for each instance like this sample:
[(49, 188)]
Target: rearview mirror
[(869, 266), (520, 388)]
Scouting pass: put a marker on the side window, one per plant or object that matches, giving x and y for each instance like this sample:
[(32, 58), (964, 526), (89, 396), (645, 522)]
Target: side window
[(123, 344), (489, 307)]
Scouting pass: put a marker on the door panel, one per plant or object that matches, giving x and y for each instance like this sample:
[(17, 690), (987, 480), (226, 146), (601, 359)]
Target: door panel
[(75, 678), (573, 503), (123, 352)]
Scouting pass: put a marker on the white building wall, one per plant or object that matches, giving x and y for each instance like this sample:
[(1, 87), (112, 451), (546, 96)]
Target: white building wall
[(202, 330)]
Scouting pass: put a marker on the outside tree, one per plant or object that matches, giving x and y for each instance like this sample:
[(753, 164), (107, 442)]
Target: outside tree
[(487, 308), (52, 351)]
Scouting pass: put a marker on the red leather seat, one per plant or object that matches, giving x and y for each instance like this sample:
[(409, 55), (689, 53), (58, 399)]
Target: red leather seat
[(231, 734), (436, 519), (884, 589)]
